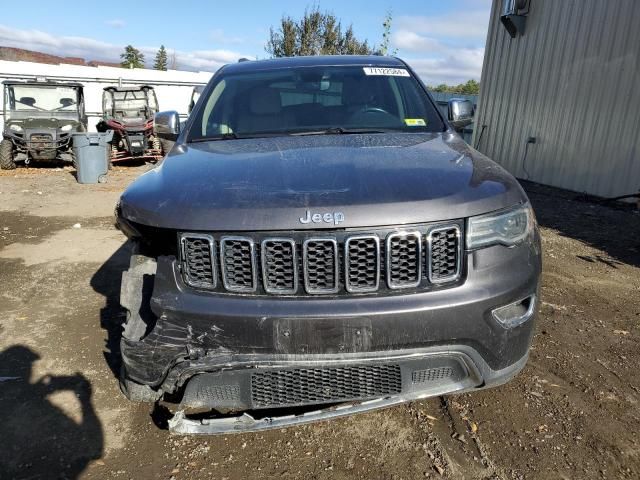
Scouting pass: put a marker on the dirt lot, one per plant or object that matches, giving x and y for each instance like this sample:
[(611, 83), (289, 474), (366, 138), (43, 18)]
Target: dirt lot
[(573, 413)]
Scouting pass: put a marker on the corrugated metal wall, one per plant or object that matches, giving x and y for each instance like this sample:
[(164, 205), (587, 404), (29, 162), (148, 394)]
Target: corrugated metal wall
[(573, 82)]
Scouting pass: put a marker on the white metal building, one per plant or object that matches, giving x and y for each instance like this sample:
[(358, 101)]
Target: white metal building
[(571, 81)]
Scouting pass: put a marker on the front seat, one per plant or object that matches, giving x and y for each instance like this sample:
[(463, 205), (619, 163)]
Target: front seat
[(30, 101), (265, 112), (66, 102)]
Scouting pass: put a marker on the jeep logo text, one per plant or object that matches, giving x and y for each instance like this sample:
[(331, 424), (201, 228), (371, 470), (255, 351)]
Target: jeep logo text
[(336, 217)]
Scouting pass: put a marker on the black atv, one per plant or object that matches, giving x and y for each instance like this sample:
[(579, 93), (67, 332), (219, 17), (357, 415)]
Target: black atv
[(40, 117)]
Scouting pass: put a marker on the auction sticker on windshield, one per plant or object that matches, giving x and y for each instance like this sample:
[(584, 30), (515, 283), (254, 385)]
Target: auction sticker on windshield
[(390, 72)]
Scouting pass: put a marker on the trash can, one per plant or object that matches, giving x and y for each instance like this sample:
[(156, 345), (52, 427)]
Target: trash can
[(91, 156)]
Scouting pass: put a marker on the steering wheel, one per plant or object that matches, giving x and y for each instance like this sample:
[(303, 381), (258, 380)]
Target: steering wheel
[(374, 110)]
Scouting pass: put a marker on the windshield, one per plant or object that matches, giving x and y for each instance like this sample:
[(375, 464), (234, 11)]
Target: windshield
[(130, 104), (34, 100), (306, 100)]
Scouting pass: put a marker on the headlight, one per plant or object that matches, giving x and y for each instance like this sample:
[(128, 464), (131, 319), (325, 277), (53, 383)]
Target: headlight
[(15, 127), (507, 227), (66, 128)]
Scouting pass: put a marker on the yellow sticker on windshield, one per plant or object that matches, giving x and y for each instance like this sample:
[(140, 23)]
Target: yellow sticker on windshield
[(415, 122)]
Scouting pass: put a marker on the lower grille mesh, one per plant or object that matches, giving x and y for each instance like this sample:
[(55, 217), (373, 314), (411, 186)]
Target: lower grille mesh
[(302, 386)]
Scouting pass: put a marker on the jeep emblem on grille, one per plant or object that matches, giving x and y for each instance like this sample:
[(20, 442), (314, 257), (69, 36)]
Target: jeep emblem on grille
[(336, 217)]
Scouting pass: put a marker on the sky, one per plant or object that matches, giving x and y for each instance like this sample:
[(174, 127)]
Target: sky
[(443, 40)]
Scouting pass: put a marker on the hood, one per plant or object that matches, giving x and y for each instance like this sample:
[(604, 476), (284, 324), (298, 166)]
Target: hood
[(271, 183)]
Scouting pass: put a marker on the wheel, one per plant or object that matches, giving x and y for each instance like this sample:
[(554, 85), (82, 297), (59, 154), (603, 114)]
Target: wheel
[(6, 155), (102, 179), (112, 152)]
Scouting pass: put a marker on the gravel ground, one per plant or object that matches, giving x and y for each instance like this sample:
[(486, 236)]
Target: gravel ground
[(572, 413)]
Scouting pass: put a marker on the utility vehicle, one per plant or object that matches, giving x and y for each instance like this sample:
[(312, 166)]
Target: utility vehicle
[(39, 118), (129, 111)]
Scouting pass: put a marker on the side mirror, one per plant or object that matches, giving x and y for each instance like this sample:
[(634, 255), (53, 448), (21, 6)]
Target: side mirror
[(460, 113), (167, 125)]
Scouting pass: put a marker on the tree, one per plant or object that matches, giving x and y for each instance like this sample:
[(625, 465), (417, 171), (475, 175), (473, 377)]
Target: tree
[(386, 36), (471, 87), (132, 58), (161, 59), (316, 33)]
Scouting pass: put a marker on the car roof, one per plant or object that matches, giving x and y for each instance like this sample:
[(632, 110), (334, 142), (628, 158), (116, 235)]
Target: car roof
[(313, 61), (48, 83)]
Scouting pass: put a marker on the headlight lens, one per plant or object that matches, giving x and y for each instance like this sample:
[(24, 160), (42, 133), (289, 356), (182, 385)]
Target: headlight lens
[(508, 227), (66, 128), (15, 127)]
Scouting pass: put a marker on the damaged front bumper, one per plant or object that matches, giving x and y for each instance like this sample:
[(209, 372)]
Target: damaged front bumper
[(251, 354), (472, 378)]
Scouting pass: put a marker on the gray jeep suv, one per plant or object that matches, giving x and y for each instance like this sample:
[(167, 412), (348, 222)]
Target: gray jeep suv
[(320, 239)]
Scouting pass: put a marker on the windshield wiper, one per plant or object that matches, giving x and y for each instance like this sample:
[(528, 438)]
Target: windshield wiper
[(222, 136), (343, 131)]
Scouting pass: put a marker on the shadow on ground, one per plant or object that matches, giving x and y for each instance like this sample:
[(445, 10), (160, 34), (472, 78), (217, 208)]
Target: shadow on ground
[(613, 228), (41, 438), (106, 282)]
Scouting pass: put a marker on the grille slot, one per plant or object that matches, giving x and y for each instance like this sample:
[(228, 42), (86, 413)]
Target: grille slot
[(444, 254), (404, 254), (198, 260), (431, 374), (320, 259), (303, 386), (238, 261), (362, 263), (279, 265)]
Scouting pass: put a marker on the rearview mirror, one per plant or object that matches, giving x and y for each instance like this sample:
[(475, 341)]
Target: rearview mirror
[(460, 113), (167, 125)]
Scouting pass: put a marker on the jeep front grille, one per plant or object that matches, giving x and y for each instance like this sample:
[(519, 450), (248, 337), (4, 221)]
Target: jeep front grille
[(304, 386), (317, 263)]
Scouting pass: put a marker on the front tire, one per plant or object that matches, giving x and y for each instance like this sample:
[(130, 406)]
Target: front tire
[(6, 155)]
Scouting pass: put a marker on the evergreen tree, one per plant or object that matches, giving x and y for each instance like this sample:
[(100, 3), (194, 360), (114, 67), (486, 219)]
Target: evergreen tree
[(161, 59), (132, 58)]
